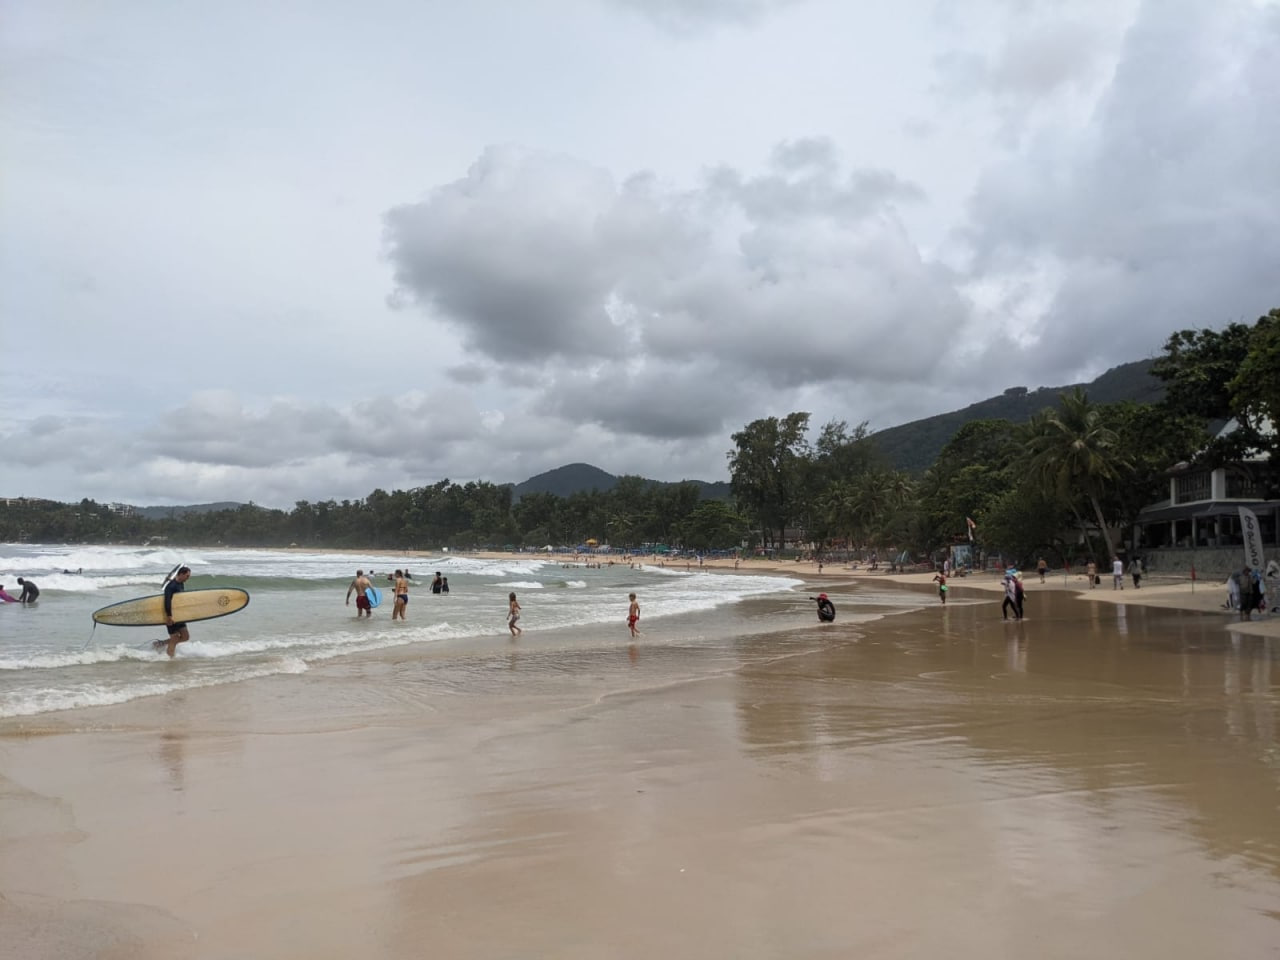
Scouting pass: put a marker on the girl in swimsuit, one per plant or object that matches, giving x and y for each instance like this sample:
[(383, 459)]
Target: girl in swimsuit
[(513, 614)]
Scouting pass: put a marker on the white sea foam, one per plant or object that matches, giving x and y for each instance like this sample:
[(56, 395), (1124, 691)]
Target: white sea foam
[(25, 703), (45, 665)]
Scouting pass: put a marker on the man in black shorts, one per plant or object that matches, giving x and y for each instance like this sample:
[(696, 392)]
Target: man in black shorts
[(177, 631)]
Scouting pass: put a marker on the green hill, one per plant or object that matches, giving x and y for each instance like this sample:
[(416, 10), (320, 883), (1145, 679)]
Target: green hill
[(160, 513), (915, 446), (578, 477)]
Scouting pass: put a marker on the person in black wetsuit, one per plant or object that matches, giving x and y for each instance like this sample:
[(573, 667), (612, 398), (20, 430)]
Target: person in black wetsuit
[(30, 592), (177, 631), (826, 609)]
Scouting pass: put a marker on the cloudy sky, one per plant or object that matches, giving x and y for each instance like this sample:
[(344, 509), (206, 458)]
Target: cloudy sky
[(303, 250)]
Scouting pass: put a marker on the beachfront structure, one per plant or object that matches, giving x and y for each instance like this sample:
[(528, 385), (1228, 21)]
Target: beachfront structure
[(1199, 525)]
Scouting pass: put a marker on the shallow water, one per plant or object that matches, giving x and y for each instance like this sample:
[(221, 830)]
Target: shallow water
[(52, 657)]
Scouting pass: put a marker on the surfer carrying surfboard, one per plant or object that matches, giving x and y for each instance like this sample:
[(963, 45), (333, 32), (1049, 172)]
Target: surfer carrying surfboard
[(177, 631), (361, 586)]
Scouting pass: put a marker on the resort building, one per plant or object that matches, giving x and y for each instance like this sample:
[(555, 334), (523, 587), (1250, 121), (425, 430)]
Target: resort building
[(1199, 525)]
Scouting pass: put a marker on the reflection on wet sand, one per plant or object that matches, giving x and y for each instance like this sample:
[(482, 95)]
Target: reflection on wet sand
[(1163, 704)]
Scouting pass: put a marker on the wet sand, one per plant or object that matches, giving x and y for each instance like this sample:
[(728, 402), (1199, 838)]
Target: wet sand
[(1101, 780)]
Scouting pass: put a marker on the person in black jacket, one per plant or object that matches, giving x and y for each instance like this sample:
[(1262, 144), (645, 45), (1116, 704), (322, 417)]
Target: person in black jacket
[(826, 609)]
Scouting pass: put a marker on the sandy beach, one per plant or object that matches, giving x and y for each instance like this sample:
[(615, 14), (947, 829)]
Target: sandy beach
[(1100, 780)]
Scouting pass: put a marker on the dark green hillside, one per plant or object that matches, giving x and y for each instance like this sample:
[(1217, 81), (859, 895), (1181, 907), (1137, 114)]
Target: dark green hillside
[(567, 480), (160, 513), (915, 446), (582, 477)]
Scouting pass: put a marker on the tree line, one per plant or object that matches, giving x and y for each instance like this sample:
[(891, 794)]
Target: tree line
[(1075, 471)]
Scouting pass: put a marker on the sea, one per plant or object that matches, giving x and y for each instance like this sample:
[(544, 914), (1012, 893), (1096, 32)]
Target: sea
[(53, 657)]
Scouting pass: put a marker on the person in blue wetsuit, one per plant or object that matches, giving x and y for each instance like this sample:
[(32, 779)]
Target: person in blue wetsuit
[(177, 631)]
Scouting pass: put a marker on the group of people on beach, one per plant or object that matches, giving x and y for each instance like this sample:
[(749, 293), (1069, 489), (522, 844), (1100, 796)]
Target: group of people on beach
[(1247, 590), (361, 586), (1137, 570)]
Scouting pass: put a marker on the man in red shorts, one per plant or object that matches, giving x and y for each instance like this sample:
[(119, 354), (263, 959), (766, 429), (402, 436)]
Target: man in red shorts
[(360, 584)]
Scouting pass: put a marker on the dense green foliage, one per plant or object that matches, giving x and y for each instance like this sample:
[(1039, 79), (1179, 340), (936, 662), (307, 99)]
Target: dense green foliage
[(633, 513)]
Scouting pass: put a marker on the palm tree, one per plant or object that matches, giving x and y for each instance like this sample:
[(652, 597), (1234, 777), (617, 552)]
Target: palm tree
[(1073, 452)]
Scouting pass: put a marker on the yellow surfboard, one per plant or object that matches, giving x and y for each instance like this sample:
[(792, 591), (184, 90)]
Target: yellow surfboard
[(188, 606)]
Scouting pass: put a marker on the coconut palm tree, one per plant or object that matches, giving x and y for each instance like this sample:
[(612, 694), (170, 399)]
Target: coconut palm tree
[(1073, 452)]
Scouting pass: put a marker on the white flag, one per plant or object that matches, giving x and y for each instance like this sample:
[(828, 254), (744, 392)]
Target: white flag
[(1253, 556)]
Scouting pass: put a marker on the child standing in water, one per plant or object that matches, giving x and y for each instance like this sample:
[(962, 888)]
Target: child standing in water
[(633, 615), (513, 614), (941, 580)]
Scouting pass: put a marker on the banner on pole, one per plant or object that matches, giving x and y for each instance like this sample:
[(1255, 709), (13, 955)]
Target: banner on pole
[(1253, 556)]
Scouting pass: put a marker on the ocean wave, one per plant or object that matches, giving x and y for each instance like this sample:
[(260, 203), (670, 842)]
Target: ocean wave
[(521, 585), (25, 703)]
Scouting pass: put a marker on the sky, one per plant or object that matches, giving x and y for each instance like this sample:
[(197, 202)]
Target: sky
[(305, 250)]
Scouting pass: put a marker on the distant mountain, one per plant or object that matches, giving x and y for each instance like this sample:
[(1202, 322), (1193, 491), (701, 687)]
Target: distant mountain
[(161, 513), (579, 477), (915, 446)]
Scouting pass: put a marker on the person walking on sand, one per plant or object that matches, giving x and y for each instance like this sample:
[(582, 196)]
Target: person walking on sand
[(178, 632), (513, 614), (360, 584), (1010, 599), (1042, 568), (941, 580), (402, 596), (1248, 594), (1135, 571), (1091, 571), (1117, 573), (633, 616)]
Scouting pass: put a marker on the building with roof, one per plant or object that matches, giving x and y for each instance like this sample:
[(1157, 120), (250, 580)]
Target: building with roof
[(1199, 525)]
